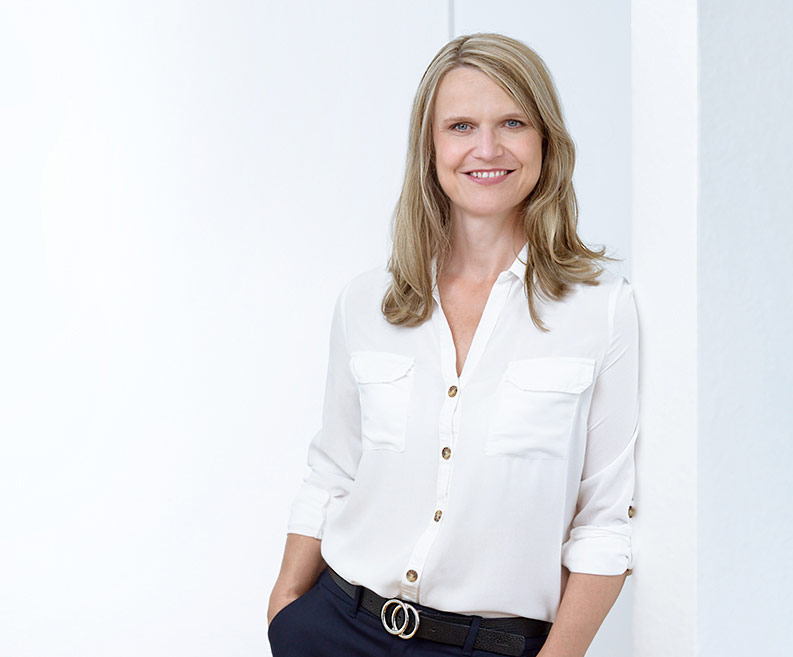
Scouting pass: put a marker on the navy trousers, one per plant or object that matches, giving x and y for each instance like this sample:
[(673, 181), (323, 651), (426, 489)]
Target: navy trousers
[(326, 622)]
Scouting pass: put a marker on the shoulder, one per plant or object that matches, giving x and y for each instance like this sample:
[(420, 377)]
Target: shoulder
[(593, 308), (601, 296), (610, 282), (617, 302), (617, 288), (365, 289)]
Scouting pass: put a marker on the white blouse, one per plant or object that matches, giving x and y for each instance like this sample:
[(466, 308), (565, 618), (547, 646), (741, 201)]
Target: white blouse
[(477, 494)]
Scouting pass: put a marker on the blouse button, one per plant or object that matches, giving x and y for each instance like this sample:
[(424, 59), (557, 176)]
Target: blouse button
[(438, 515), (452, 391), (412, 575), (631, 512), (446, 453)]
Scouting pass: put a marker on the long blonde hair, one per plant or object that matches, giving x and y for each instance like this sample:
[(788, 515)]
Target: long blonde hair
[(421, 219)]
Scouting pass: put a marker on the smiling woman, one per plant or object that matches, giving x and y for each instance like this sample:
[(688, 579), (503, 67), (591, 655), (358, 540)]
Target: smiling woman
[(471, 483), (498, 150)]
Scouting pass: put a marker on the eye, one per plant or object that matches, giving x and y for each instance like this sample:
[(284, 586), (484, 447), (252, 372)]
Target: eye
[(456, 124), (520, 123)]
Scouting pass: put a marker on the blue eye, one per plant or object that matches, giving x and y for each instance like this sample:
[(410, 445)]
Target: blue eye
[(516, 121)]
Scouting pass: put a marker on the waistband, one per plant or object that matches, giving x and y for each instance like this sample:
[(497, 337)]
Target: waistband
[(505, 636)]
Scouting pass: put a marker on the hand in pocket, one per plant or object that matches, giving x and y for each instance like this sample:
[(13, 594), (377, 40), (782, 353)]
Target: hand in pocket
[(277, 604)]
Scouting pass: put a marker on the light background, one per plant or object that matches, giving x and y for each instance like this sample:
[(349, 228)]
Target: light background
[(185, 188)]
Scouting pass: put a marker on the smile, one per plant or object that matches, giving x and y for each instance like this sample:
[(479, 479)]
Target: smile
[(489, 177)]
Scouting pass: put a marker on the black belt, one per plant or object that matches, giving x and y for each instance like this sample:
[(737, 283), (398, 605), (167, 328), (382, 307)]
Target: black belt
[(506, 636)]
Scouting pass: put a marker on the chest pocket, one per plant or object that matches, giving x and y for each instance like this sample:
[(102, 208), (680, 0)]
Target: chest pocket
[(385, 381), (536, 401)]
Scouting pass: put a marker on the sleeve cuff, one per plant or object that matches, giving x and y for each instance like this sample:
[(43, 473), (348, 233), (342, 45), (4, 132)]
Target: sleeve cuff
[(307, 514), (597, 551)]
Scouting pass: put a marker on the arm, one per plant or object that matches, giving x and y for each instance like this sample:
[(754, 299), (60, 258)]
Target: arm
[(598, 552), (300, 567), (586, 601), (333, 456)]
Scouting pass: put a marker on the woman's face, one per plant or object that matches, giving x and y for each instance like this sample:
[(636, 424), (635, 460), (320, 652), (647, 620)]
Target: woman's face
[(479, 129)]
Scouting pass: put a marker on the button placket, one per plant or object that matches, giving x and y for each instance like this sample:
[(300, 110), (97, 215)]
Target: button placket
[(449, 420), (447, 428), (447, 436), (418, 558)]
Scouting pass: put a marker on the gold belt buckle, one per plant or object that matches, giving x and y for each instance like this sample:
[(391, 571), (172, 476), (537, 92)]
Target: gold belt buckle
[(391, 627)]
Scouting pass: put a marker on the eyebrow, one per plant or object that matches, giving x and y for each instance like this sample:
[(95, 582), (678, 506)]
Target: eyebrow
[(511, 115)]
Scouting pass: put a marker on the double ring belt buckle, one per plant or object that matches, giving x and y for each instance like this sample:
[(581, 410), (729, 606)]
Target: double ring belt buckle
[(391, 626)]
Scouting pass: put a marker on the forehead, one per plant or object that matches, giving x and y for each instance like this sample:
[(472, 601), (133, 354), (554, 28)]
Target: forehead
[(467, 90)]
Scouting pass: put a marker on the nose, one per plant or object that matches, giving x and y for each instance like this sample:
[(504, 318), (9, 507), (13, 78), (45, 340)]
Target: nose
[(488, 144)]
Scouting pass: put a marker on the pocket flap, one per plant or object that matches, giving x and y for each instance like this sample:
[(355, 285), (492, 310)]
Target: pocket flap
[(554, 373), (379, 366)]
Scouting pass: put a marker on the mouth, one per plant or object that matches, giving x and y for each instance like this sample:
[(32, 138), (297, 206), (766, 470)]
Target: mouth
[(488, 175)]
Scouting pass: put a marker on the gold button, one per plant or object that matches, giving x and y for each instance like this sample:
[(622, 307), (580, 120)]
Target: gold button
[(631, 511), (452, 391), (412, 575), (446, 453), (438, 515)]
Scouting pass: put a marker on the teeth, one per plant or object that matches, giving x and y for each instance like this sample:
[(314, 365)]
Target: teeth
[(488, 174)]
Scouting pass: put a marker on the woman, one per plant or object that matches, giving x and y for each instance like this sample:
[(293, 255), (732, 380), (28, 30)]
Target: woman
[(470, 488)]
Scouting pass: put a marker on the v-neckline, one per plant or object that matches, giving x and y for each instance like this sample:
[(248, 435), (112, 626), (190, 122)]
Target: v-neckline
[(484, 328), (470, 344)]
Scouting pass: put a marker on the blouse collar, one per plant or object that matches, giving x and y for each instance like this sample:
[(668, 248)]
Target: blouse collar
[(517, 269)]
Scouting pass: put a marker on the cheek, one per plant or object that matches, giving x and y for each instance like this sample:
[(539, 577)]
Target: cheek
[(445, 167), (537, 164), (446, 180), (446, 154), (533, 159), (536, 153)]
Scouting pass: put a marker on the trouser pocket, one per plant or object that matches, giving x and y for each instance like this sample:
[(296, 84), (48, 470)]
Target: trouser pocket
[(283, 624)]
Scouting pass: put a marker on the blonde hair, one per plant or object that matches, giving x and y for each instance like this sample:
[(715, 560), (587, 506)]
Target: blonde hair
[(421, 218)]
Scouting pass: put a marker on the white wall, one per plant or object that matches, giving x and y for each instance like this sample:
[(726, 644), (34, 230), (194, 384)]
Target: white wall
[(664, 72), (184, 189), (712, 236), (745, 237)]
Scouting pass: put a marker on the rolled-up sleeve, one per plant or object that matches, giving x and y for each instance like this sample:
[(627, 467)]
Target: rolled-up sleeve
[(600, 538), (335, 450)]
